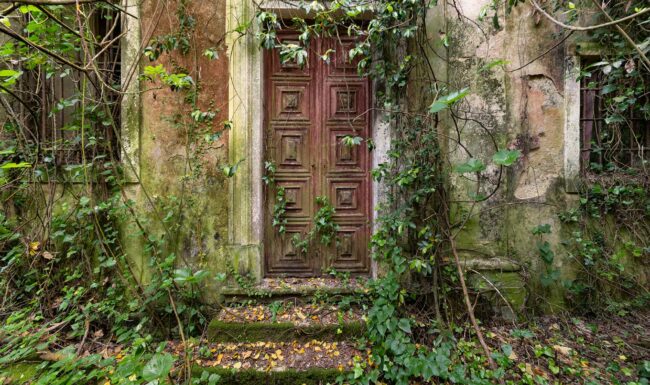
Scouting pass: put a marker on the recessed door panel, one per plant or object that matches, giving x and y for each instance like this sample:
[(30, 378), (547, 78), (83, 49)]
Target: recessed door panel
[(317, 123)]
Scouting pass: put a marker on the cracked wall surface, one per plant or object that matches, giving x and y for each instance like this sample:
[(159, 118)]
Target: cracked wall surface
[(519, 105), (173, 165)]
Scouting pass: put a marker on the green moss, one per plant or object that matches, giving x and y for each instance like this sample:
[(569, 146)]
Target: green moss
[(499, 288), (219, 331), (19, 373), (314, 376)]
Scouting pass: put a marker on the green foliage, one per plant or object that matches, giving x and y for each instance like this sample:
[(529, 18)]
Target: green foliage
[(448, 100), (609, 236), (63, 262), (506, 157), (545, 252), (324, 229), (472, 165), (66, 275)]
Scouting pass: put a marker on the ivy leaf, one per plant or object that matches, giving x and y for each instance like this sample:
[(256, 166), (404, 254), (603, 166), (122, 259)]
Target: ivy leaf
[(609, 88), (542, 229), (548, 279), (185, 275), (9, 165), (472, 165), (230, 170), (158, 367), (546, 252), (211, 53), (616, 118), (448, 100), (495, 63), (506, 157), (405, 325)]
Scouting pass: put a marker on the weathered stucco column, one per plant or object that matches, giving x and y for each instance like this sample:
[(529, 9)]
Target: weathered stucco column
[(130, 108), (245, 140)]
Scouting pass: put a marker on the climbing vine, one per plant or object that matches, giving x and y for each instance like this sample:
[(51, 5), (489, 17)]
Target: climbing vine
[(68, 216), (64, 266), (415, 231)]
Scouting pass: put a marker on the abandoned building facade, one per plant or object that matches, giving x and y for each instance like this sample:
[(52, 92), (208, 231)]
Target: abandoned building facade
[(298, 116)]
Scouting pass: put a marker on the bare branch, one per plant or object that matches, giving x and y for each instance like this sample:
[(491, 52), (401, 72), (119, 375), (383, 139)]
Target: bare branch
[(46, 51), (644, 58), (589, 28), (51, 2)]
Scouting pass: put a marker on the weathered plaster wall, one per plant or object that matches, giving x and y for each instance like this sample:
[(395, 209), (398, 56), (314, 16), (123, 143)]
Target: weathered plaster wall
[(517, 106), (171, 164), (531, 103)]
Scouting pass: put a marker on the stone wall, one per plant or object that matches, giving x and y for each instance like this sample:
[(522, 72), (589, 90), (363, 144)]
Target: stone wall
[(522, 104)]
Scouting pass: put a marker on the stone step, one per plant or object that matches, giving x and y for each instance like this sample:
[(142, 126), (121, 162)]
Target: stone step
[(285, 321), (268, 362), (298, 289), (312, 376)]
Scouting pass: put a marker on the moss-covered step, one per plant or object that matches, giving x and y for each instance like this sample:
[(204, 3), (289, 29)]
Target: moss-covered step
[(18, 373), (268, 362), (313, 376), (285, 321), (298, 289), (220, 331)]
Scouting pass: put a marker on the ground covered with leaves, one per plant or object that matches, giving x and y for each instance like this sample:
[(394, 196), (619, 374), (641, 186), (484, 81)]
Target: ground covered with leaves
[(568, 350), (546, 350)]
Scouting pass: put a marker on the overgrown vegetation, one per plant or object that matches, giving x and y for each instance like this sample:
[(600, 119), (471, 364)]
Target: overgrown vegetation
[(70, 288)]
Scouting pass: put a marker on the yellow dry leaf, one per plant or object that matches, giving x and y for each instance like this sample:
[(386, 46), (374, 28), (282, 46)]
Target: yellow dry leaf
[(33, 247), (529, 369), (219, 358), (246, 354), (237, 365)]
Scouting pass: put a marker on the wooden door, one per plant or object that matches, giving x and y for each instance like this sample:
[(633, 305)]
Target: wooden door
[(308, 113)]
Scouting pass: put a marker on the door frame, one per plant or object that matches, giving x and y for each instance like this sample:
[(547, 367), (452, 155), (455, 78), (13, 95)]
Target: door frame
[(246, 139)]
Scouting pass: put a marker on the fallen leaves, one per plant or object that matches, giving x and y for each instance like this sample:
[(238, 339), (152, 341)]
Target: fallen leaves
[(299, 315), (565, 351), (265, 355)]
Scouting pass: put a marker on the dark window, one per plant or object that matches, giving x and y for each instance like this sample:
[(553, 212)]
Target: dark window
[(56, 98), (608, 142)]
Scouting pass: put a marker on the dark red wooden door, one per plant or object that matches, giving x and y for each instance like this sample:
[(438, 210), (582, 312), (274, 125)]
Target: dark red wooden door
[(308, 113)]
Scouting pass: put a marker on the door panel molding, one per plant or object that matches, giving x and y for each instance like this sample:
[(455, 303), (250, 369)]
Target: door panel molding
[(245, 140), (329, 104)]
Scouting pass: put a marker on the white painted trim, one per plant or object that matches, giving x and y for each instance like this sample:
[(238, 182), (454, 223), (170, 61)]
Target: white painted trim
[(572, 124), (130, 109), (245, 222)]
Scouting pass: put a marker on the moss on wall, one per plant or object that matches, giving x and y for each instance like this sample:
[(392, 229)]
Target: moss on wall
[(179, 174)]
